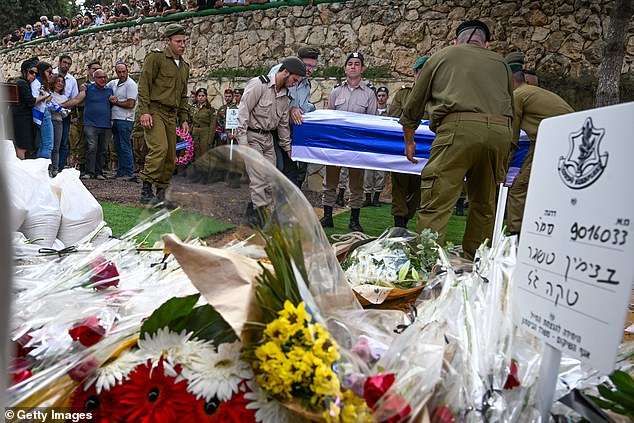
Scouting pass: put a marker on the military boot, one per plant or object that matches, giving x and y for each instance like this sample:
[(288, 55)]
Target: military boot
[(340, 201), (368, 200), (354, 224), (326, 221), (252, 216), (400, 222), (146, 193), (375, 201), (160, 197), (460, 207)]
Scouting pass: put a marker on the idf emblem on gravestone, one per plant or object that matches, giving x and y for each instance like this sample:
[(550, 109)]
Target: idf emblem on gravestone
[(584, 164)]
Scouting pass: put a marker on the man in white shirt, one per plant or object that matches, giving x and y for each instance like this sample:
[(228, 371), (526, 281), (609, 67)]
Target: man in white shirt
[(123, 102), (70, 91), (48, 27)]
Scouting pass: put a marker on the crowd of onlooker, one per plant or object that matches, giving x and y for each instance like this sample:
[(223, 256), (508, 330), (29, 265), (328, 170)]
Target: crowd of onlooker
[(63, 26)]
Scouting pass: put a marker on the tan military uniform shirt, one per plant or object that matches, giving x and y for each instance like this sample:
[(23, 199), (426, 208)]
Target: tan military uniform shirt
[(263, 107), (447, 84), (359, 99), (532, 105), (164, 82)]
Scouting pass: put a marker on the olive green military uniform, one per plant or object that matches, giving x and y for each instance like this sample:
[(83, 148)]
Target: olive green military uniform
[(138, 142), (203, 128), (163, 94), (360, 99), (468, 93), (76, 140), (532, 105), (405, 186), (262, 110)]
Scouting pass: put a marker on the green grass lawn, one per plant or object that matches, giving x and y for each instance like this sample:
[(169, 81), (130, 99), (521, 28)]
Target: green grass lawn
[(186, 225), (376, 219)]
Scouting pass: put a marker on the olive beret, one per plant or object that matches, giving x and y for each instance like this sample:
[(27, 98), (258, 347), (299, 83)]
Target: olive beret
[(308, 52), (294, 65), (420, 62), (228, 91), (238, 91), (516, 67), (354, 55), (515, 57), (173, 29), (474, 24)]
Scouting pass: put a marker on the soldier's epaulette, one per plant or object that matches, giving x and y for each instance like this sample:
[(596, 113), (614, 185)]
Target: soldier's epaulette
[(156, 50), (265, 79), (338, 85)]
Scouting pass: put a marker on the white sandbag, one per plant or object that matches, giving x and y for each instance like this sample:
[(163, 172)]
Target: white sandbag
[(81, 213), (19, 187), (97, 237), (43, 214)]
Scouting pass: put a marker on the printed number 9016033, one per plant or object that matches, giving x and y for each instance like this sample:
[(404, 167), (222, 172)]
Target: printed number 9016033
[(598, 234)]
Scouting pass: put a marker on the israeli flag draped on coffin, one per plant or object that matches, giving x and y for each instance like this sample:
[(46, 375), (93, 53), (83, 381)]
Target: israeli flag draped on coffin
[(334, 137)]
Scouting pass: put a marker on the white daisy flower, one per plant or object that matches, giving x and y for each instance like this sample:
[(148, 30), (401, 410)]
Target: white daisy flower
[(217, 375), (268, 410), (163, 343), (114, 372)]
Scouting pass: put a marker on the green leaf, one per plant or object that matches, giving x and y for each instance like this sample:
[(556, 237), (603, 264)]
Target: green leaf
[(620, 398), (601, 402), (206, 323), (402, 272), (173, 309), (623, 382), (415, 274)]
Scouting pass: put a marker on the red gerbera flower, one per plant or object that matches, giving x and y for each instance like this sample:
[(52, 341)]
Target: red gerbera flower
[(100, 406), (151, 396), (232, 411)]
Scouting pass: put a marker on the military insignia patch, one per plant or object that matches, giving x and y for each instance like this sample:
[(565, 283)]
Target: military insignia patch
[(584, 163)]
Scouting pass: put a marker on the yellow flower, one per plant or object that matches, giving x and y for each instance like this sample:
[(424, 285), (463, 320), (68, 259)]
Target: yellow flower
[(355, 409), (303, 364), (295, 315), (326, 349), (331, 415), (279, 330), (269, 351), (325, 381)]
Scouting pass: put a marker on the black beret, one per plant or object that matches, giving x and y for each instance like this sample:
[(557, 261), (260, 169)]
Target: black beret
[(173, 29), (308, 52), (201, 90), (516, 67), (294, 65), (383, 90), (474, 24), (238, 91), (354, 55)]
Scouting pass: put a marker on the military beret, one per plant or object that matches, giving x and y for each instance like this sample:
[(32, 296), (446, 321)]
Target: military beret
[(354, 55), (308, 52), (173, 29), (420, 62), (228, 91), (294, 65), (383, 90), (238, 91), (474, 24), (516, 67), (515, 57), (201, 90)]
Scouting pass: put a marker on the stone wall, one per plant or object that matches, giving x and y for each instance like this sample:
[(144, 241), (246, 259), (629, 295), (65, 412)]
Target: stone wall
[(563, 37)]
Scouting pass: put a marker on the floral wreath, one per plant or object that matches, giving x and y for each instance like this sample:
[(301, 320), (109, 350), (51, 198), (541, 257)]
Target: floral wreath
[(189, 148)]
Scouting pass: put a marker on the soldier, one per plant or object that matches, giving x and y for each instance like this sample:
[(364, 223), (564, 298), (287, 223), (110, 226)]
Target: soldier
[(468, 93), (405, 186), (203, 127), (352, 95), (266, 108), (138, 143), (237, 96), (532, 105), (222, 115), (374, 180), (531, 77), (163, 99)]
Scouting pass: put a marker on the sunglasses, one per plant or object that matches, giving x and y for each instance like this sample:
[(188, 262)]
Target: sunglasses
[(100, 77), (32, 72)]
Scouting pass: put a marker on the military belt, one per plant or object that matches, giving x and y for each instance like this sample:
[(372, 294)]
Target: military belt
[(476, 117), (259, 131)]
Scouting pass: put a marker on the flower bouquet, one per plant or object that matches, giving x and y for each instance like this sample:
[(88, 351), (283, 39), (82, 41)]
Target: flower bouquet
[(392, 271)]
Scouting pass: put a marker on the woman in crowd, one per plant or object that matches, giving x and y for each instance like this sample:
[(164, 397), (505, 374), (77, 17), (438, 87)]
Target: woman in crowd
[(74, 26), (58, 84), (22, 112), (41, 113), (203, 124), (64, 27)]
